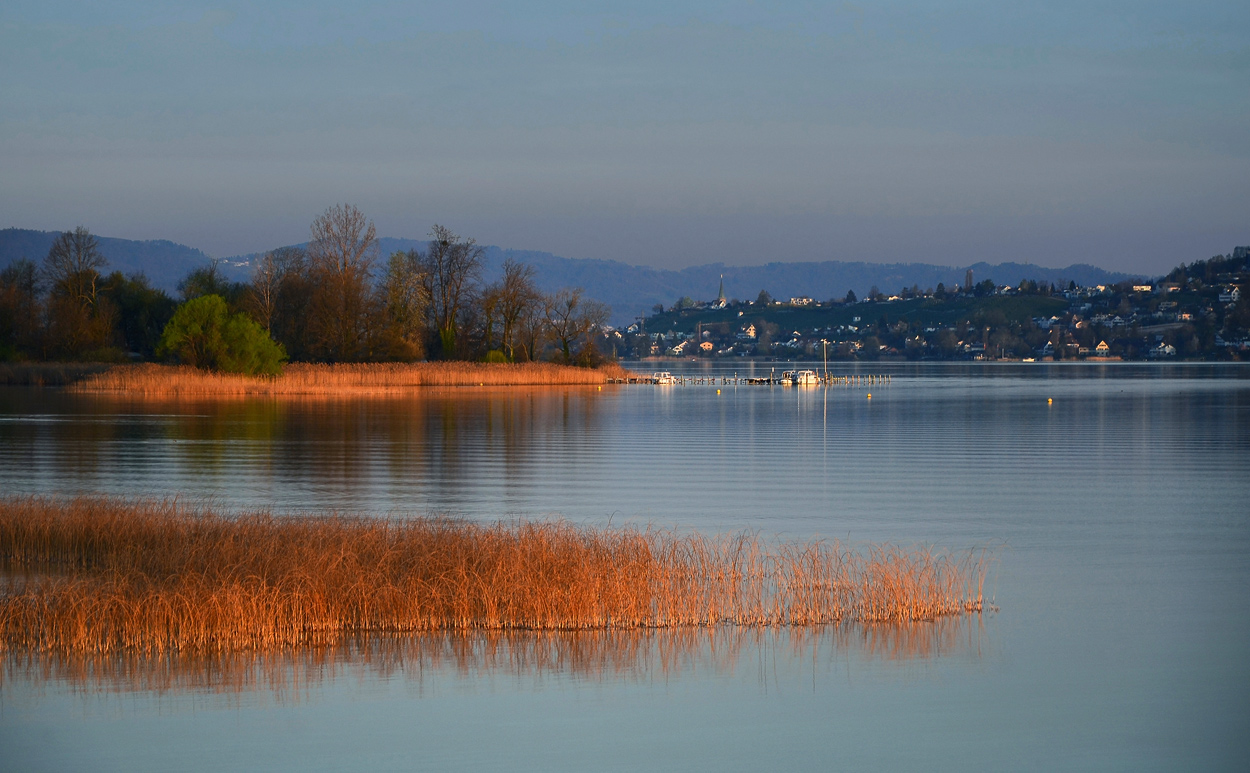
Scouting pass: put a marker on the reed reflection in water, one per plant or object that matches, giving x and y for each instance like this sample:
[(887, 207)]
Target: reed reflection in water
[(634, 655)]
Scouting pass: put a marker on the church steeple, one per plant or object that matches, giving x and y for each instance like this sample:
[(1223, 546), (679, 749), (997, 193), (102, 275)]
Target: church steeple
[(721, 296)]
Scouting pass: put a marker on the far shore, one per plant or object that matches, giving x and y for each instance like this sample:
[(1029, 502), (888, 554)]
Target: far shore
[(298, 378)]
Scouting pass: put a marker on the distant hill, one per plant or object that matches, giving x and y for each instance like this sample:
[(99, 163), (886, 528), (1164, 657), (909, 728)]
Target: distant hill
[(634, 290), (163, 262), (631, 291)]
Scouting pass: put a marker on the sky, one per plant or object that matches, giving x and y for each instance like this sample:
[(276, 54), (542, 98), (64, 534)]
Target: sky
[(1111, 132)]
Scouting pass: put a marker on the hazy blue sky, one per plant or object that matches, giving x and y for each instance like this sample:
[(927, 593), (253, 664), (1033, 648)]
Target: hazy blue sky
[(1116, 133)]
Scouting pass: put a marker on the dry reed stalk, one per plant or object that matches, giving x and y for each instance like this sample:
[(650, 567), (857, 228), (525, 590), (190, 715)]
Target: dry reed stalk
[(304, 379), (105, 575)]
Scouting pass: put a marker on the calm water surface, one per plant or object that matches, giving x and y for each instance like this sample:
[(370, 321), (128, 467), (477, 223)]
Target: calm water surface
[(1117, 513)]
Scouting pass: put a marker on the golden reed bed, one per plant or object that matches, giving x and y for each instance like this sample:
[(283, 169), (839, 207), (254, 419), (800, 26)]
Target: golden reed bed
[(301, 378), (104, 575)]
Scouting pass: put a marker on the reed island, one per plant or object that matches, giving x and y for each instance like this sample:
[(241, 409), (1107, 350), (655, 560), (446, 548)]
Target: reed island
[(101, 575)]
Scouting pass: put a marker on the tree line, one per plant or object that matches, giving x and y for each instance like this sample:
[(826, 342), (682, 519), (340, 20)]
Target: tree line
[(334, 300)]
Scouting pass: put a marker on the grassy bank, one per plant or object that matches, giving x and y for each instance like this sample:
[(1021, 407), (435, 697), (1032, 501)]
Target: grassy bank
[(304, 379), (100, 575)]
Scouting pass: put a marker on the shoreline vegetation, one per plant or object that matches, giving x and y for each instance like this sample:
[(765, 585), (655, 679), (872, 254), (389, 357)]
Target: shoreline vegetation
[(101, 575), (298, 378), (335, 300)]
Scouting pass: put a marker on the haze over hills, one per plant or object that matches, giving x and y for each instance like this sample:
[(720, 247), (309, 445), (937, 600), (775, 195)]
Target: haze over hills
[(630, 290), (164, 262), (634, 290)]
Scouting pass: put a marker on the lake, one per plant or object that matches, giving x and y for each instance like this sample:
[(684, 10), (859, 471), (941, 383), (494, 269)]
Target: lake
[(1114, 499)]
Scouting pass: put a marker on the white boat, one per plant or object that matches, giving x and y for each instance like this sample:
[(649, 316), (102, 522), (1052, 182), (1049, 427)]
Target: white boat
[(805, 377), (662, 377), (787, 378)]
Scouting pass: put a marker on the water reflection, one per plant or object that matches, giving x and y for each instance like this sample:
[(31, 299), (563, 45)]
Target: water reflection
[(939, 447), (1121, 506), (359, 454), (639, 655)]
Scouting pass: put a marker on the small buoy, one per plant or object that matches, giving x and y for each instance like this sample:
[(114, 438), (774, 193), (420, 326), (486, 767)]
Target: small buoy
[(600, 389), (870, 395), (1049, 400), (482, 384), (717, 391)]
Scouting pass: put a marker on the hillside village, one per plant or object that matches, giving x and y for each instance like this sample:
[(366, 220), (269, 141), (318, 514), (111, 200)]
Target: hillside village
[(1200, 311)]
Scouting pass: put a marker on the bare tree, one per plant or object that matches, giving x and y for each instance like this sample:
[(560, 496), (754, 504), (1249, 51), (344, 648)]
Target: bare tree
[(406, 301), (272, 270), (80, 319), (293, 306), (266, 282), (341, 251), (504, 302), (531, 331), (451, 267), (517, 295), (343, 241), (570, 317), (72, 266), (488, 304)]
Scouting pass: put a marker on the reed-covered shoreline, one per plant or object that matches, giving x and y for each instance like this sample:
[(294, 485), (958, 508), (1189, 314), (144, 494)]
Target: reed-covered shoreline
[(106, 575), (299, 378)]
